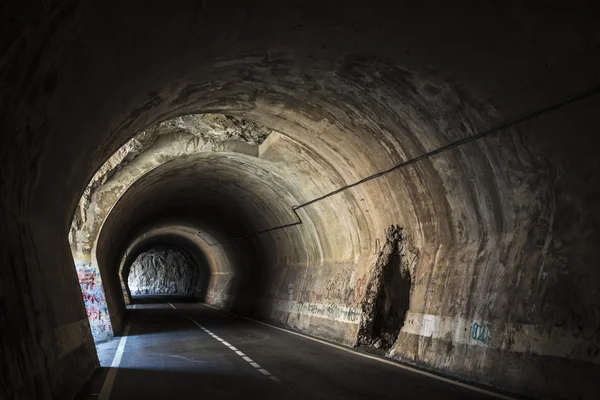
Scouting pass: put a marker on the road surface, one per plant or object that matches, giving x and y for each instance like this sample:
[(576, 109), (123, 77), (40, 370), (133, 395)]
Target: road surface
[(183, 350)]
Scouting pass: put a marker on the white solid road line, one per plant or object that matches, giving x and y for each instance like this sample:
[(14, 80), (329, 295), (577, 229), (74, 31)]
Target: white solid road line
[(109, 382), (389, 362), (226, 344)]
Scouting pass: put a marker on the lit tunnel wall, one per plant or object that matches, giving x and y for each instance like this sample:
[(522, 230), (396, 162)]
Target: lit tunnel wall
[(217, 190), (498, 234), (150, 148)]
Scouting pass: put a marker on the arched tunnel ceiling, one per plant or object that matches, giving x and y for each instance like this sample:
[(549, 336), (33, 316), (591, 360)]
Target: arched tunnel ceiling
[(194, 236), (486, 230), (238, 195), (240, 186), (173, 235), (152, 147)]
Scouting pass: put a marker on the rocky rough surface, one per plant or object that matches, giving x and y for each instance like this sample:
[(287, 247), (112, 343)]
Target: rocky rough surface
[(163, 271), (215, 129), (388, 292)]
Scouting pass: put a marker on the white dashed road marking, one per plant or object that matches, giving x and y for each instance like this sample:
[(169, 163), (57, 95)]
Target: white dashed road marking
[(236, 351)]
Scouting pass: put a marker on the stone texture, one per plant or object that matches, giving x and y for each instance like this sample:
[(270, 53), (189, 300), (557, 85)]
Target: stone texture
[(387, 296), (163, 271)]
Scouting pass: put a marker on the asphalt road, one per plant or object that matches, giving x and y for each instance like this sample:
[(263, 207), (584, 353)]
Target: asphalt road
[(182, 350)]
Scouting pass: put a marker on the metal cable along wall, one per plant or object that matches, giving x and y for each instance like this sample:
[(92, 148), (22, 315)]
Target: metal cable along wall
[(450, 146)]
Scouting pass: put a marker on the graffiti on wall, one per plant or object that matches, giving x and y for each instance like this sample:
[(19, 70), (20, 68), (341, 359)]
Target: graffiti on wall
[(337, 313), (341, 290), (480, 333), (336, 297), (94, 300)]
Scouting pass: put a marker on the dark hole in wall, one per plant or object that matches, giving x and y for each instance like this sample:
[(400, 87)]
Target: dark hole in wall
[(392, 304), (388, 293)]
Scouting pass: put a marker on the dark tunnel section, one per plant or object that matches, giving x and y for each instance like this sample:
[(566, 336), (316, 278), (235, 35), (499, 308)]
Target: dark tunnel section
[(223, 270), (205, 201)]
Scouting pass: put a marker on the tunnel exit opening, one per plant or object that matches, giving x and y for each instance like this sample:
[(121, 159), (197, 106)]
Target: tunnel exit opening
[(163, 270), (387, 302)]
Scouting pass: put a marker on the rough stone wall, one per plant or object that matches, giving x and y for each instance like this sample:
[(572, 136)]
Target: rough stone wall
[(493, 223), (485, 297), (163, 271), (388, 291)]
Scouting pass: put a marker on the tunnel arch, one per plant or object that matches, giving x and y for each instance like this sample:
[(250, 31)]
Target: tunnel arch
[(174, 236), (498, 222), (147, 150), (198, 240), (164, 269)]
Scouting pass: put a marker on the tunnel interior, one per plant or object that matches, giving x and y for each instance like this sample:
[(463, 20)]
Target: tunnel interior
[(164, 263), (317, 167)]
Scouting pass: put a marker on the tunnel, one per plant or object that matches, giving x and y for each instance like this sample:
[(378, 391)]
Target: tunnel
[(299, 199)]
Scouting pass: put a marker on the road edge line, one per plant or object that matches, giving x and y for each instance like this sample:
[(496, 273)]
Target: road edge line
[(109, 382), (391, 362)]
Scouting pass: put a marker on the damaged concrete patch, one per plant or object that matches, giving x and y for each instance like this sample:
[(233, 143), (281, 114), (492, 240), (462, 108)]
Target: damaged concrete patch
[(386, 303)]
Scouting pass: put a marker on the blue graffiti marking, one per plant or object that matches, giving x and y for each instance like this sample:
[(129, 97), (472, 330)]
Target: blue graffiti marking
[(82, 264), (480, 333)]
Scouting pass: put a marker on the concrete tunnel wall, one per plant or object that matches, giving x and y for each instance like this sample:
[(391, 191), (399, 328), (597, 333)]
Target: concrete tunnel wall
[(150, 148), (499, 235), (213, 188), (181, 213), (214, 263)]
